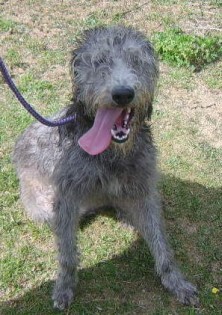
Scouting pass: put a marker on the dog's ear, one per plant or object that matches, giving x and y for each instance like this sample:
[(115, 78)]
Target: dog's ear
[(152, 58), (149, 111), (153, 71), (73, 64)]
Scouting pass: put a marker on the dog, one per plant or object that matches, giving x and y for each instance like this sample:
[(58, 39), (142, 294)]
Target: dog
[(105, 158)]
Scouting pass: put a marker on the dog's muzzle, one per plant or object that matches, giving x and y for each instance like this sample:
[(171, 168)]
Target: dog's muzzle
[(110, 124)]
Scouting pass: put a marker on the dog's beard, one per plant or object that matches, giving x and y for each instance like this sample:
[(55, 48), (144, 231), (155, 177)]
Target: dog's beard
[(109, 124)]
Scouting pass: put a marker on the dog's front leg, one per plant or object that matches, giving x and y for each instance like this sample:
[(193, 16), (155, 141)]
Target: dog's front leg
[(147, 219), (65, 228)]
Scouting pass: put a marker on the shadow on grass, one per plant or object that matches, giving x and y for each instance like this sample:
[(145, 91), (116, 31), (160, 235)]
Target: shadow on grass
[(110, 287), (126, 284)]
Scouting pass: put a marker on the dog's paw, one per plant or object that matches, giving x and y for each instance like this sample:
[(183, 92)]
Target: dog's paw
[(62, 298), (187, 293)]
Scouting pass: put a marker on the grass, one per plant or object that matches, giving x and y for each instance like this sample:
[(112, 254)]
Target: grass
[(6, 25), (181, 49), (116, 269)]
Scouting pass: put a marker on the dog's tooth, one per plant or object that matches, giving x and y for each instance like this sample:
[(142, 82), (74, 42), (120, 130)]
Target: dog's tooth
[(124, 124), (113, 133), (126, 119)]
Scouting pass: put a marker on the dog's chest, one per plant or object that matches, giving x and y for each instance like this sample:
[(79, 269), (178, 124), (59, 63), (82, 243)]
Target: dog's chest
[(114, 186), (123, 184)]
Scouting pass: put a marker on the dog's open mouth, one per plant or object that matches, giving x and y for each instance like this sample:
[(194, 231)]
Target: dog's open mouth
[(109, 124), (121, 129)]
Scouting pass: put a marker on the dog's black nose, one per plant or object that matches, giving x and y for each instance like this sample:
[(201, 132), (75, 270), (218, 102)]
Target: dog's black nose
[(123, 95)]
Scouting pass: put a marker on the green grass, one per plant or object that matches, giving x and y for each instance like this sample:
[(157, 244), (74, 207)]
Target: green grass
[(6, 25), (181, 49), (116, 269)]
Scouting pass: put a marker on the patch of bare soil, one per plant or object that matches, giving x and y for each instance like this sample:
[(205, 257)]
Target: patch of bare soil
[(207, 108), (200, 106), (204, 18)]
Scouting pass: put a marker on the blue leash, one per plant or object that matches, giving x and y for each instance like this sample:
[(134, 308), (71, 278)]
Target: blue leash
[(29, 107)]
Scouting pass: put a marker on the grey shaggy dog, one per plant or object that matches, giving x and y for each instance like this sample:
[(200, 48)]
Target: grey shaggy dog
[(105, 158)]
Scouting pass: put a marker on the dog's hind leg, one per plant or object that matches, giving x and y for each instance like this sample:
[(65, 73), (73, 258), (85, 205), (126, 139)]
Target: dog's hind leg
[(36, 196), (65, 225), (146, 217)]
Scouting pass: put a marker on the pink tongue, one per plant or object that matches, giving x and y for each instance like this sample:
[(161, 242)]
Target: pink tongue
[(98, 138)]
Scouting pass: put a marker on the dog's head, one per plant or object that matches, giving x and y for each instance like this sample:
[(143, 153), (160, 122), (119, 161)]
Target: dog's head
[(114, 75)]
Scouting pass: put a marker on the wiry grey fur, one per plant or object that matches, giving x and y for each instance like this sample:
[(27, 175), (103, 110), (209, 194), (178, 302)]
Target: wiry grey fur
[(60, 182)]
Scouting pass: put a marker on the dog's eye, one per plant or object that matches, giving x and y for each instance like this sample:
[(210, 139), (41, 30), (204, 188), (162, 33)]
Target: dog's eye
[(97, 63), (103, 74), (135, 60)]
